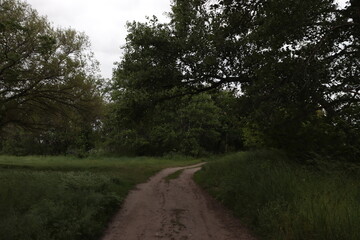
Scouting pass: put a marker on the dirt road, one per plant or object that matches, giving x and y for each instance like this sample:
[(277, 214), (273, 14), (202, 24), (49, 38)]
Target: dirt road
[(175, 209)]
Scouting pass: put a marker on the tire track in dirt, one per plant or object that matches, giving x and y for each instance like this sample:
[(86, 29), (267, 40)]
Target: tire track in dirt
[(176, 210)]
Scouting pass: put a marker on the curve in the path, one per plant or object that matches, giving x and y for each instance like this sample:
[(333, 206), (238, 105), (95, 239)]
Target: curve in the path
[(176, 210)]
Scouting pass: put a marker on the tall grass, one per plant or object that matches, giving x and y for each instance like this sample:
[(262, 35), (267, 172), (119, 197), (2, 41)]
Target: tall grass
[(283, 200), (58, 198)]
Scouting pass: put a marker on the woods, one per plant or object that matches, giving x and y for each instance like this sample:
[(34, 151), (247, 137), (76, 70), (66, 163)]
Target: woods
[(291, 66), (220, 76)]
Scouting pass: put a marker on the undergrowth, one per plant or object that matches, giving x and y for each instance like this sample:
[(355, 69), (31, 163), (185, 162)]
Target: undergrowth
[(283, 200)]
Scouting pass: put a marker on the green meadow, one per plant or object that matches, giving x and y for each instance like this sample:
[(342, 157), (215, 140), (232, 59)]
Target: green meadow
[(44, 198)]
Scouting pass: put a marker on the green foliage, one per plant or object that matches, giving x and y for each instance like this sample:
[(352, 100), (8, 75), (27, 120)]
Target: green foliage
[(69, 137), (220, 76), (151, 114), (283, 76), (67, 198), (283, 200), (48, 77), (253, 138), (189, 125)]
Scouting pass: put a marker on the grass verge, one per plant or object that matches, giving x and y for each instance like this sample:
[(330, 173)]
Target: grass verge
[(282, 200), (58, 198), (174, 175)]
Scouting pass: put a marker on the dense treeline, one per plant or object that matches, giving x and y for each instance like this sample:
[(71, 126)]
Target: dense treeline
[(220, 76), (191, 125)]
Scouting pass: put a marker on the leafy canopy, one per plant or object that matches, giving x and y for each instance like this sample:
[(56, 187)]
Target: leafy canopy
[(45, 73), (294, 65)]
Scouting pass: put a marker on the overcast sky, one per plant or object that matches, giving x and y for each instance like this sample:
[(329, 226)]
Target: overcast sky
[(103, 21)]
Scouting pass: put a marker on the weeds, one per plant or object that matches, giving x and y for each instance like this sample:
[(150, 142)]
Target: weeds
[(281, 200)]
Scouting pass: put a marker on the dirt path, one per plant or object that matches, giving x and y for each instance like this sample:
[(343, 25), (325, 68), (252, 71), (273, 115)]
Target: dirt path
[(174, 209)]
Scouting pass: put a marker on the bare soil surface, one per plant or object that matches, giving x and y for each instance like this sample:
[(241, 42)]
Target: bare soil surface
[(175, 209)]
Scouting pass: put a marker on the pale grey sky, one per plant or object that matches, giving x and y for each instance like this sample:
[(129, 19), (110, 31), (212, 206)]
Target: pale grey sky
[(103, 21)]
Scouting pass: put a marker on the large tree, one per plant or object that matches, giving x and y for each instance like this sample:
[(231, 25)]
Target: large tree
[(45, 73), (152, 112), (294, 63)]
